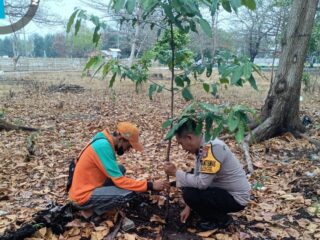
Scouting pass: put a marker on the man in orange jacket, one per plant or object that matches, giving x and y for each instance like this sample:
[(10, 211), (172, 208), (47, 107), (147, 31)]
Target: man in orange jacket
[(98, 183)]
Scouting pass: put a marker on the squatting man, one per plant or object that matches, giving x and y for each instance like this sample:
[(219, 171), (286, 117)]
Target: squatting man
[(217, 185)]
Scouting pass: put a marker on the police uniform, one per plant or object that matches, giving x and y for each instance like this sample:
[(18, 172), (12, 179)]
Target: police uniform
[(218, 184)]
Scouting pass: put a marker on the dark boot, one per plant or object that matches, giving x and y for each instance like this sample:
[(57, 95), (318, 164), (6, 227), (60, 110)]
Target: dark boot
[(211, 225)]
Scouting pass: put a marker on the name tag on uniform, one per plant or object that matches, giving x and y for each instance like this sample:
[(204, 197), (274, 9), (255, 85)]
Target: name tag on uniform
[(209, 164)]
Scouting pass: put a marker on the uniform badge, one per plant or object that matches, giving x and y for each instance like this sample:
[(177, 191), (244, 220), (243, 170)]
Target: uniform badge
[(205, 151), (209, 164)]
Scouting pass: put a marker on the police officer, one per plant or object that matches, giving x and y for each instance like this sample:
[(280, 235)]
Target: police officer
[(217, 186)]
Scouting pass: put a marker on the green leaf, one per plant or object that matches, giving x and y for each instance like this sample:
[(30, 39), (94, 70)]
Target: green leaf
[(179, 81), (168, 11), (112, 80), (251, 4), (226, 6), (206, 87), (148, 6), (152, 89), (209, 70), (224, 80), (236, 75), (199, 127), (106, 68), (95, 20), (187, 94), (91, 61), (214, 88), (227, 70), (193, 26), (187, 79), (174, 128), (71, 20), (240, 133), (214, 6), (167, 123), (253, 83), (232, 122), (247, 70), (77, 27), (118, 4), (96, 35), (209, 107), (160, 88), (217, 130), (235, 4), (130, 6), (205, 27)]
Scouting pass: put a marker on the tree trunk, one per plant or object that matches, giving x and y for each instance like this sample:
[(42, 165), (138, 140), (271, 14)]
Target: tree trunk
[(214, 42), (280, 112), (136, 37)]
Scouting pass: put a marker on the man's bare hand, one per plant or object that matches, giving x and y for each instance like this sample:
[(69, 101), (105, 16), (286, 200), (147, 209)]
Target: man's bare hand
[(170, 169), (161, 185), (184, 215)]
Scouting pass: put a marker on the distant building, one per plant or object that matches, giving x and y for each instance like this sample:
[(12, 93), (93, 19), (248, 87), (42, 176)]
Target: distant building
[(266, 62), (111, 53)]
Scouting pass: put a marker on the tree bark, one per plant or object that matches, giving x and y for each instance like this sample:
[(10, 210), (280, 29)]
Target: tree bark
[(280, 112)]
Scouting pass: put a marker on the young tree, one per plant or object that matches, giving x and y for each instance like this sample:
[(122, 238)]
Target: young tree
[(184, 15)]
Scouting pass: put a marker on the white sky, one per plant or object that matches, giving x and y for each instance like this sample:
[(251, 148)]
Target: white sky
[(63, 8)]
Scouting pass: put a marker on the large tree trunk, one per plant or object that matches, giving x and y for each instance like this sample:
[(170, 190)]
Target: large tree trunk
[(280, 112)]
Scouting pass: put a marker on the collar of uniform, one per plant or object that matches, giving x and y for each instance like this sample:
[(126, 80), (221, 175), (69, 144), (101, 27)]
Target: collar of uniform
[(109, 137)]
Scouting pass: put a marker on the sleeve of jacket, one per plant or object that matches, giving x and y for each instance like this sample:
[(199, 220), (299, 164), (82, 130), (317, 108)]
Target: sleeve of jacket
[(130, 184), (110, 166), (202, 180)]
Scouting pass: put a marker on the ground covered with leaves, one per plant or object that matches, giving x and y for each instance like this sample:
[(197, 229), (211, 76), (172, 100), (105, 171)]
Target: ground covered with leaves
[(33, 168)]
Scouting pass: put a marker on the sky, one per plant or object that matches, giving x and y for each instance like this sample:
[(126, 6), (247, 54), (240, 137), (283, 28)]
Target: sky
[(63, 8)]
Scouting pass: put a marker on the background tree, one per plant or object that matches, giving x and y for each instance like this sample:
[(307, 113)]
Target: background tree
[(81, 45), (38, 46), (280, 112), (259, 26), (6, 47)]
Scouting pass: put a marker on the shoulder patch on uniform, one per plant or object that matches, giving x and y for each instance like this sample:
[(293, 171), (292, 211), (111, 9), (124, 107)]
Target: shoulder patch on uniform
[(209, 164)]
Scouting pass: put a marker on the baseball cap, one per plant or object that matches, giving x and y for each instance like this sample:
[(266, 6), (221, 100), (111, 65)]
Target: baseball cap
[(130, 132)]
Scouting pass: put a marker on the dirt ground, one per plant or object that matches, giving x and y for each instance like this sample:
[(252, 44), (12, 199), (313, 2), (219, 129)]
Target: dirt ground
[(285, 198)]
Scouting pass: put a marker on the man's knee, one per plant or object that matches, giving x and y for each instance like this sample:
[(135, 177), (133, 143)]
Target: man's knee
[(190, 195), (122, 169)]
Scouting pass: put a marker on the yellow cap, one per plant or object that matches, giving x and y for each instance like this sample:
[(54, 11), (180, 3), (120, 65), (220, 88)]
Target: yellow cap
[(130, 132)]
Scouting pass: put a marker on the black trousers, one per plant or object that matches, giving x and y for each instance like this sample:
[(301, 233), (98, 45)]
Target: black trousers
[(212, 204)]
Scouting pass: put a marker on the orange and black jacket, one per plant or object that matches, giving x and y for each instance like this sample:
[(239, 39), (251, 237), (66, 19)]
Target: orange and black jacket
[(96, 164)]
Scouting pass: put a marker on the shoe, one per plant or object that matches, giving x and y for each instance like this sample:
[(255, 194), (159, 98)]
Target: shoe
[(211, 225), (127, 224)]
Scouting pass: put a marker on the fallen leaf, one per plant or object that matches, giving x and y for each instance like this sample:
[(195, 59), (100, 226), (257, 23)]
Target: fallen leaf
[(156, 218), (128, 236), (206, 233)]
